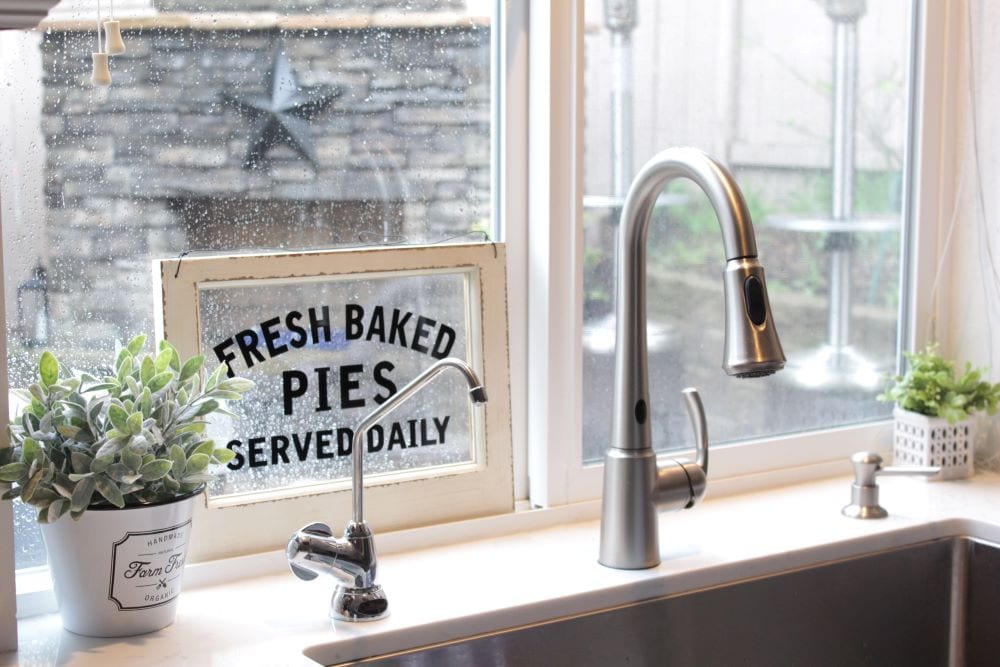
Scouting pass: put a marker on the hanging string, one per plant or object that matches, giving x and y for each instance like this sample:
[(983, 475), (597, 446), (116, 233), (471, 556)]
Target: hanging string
[(112, 10), (99, 50)]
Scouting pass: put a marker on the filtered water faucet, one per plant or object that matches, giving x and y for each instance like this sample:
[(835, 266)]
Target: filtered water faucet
[(314, 550), (633, 483)]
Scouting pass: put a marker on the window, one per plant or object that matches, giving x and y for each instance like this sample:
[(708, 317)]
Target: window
[(558, 229), (809, 103), (229, 126), (812, 121)]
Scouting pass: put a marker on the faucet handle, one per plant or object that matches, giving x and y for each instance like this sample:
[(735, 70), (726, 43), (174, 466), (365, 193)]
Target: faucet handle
[(696, 411), (298, 552), (681, 483)]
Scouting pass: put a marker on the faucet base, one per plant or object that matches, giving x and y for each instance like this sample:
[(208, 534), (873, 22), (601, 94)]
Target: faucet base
[(359, 604)]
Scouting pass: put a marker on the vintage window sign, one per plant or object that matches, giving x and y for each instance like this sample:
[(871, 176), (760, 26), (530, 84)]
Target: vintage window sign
[(327, 337)]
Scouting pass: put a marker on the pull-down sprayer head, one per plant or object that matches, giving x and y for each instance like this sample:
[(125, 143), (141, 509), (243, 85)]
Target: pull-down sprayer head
[(752, 347)]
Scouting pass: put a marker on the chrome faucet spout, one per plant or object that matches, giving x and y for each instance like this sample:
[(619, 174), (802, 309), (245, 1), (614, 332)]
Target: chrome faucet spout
[(477, 394), (314, 550), (633, 485)]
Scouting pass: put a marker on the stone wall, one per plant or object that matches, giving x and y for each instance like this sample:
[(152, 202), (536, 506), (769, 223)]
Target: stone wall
[(133, 171)]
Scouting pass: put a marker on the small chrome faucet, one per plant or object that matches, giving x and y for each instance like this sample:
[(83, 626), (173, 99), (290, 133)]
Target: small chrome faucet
[(314, 550), (864, 490), (633, 484)]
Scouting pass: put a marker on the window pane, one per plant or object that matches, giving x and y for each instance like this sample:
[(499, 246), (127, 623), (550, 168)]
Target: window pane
[(297, 428), (756, 84), (229, 125)]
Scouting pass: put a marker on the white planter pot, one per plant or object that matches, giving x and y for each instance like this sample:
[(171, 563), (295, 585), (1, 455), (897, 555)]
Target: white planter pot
[(118, 572), (919, 440)]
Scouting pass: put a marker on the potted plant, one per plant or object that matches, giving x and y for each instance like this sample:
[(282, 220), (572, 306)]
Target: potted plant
[(933, 413), (124, 456)]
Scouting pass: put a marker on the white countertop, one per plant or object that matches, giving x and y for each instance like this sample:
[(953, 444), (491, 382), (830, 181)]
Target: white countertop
[(443, 593)]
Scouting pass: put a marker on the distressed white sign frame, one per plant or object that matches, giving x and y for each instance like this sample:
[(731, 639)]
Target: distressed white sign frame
[(247, 523)]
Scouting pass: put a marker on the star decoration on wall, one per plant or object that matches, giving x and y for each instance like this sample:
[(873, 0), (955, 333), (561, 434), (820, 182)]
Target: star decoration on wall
[(283, 115)]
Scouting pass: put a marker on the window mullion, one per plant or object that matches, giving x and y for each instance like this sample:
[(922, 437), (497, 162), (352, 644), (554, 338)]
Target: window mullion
[(555, 247)]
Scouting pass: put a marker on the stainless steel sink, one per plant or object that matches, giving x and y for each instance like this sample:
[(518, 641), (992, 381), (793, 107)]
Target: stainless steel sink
[(933, 603)]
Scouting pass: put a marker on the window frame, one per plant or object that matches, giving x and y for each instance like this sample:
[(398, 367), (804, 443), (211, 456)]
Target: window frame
[(557, 474), (482, 486)]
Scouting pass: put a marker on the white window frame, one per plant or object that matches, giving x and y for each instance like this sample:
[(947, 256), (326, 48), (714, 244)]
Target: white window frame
[(557, 474)]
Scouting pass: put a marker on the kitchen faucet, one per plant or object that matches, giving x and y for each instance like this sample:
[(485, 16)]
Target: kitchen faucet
[(633, 483), (314, 550)]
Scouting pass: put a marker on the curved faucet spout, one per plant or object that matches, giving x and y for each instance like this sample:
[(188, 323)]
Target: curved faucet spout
[(752, 345), (314, 550), (477, 394)]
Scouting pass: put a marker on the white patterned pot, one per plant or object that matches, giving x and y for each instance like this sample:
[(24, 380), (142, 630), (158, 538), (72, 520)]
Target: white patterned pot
[(117, 572), (919, 440)]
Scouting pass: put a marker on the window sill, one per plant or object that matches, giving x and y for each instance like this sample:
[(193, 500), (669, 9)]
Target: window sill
[(491, 582)]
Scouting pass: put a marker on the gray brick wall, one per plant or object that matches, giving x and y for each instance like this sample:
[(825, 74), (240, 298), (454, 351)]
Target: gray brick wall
[(411, 124)]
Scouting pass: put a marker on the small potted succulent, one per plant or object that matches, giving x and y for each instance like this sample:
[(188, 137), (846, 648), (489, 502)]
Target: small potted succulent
[(933, 413), (124, 456)]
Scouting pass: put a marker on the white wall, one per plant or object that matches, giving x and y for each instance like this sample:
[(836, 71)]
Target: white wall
[(969, 327)]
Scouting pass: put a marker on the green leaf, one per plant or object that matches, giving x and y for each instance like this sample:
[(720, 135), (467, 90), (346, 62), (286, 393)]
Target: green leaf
[(108, 450), (163, 359), (67, 431), (110, 491), (216, 375), (32, 484), (82, 494), (223, 456), (124, 369), (159, 381), (179, 460), (196, 463), (62, 490), (155, 470), (48, 369), (31, 450), (134, 423), (225, 395), (103, 386), (12, 472), (81, 462), (56, 510), (240, 385), (147, 370), (101, 464), (119, 417), (132, 460), (206, 408), (146, 403), (191, 367), (205, 448), (135, 345)]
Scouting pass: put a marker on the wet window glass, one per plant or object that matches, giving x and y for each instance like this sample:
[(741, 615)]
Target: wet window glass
[(227, 126), (806, 102), (324, 354)]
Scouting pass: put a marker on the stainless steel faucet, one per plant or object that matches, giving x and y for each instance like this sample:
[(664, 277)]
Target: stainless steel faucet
[(633, 483), (314, 550), (864, 490)]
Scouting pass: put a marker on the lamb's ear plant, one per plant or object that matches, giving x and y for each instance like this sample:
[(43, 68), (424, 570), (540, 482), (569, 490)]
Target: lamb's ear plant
[(133, 438), (930, 387)]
